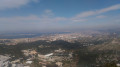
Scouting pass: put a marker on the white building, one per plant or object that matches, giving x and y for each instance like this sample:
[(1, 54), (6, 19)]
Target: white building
[(4, 61), (118, 65), (48, 55), (29, 62)]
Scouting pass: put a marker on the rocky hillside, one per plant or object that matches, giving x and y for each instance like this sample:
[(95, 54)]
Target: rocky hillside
[(112, 45)]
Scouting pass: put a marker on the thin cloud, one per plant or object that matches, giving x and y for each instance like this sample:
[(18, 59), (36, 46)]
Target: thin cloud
[(91, 13), (8, 4), (114, 7), (100, 16), (48, 16), (31, 19), (85, 14), (48, 13)]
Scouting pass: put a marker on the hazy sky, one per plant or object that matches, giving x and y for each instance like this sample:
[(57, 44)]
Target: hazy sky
[(47, 15)]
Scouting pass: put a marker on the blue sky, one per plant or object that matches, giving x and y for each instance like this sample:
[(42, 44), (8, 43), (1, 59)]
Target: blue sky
[(55, 15)]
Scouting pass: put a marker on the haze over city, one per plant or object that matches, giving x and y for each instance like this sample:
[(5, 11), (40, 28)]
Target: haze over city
[(58, 15)]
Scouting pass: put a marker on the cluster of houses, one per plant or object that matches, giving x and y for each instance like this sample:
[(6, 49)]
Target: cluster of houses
[(56, 57)]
